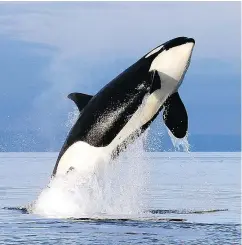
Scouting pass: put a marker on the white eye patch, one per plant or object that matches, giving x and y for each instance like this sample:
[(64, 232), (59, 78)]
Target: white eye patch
[(154, 51)]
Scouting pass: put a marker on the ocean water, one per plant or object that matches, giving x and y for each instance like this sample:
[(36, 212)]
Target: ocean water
[(148, 198)]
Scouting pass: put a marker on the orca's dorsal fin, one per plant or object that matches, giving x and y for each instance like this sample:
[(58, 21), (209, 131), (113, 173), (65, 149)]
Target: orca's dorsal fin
[(175, 116), (81, 100)]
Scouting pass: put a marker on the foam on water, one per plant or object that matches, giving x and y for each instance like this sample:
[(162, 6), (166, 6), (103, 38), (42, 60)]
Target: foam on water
[(111, 188)]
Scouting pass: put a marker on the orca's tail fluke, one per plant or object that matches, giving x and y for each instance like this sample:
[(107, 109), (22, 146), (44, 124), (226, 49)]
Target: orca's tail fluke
[(175, 116)]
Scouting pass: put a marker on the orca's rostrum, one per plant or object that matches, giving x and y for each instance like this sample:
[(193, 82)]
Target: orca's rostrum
[(126, 106)]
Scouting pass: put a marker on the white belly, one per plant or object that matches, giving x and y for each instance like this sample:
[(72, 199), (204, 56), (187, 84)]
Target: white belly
[(82, 157)]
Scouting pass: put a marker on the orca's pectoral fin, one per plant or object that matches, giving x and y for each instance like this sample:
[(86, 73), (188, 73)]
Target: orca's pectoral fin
[(81, 100), (175, 116)]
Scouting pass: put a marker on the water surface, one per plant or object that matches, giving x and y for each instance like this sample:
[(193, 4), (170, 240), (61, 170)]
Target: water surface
[(189, 198)]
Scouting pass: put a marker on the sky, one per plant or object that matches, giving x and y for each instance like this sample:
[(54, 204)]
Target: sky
[(48, 50)]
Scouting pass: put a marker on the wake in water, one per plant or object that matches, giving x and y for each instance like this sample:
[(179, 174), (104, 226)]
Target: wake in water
[(112, 188), (153, 215)]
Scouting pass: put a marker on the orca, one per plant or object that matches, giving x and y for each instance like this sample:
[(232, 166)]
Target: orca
[(124, 108)]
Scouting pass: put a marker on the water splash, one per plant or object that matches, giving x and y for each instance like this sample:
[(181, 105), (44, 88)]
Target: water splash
[(72, 117), (180, 144), (112, 188)]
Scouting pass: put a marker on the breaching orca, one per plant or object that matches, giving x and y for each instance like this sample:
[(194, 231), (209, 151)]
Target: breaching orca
[(127, 105)]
